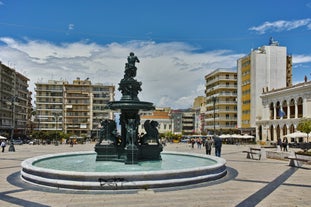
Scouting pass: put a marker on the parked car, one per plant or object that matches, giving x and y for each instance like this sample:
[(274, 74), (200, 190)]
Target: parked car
[(17, 141)]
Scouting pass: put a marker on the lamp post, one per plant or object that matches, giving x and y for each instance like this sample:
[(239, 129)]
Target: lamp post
[(13, 100), (56, 116), (214, 102), (98, 118)]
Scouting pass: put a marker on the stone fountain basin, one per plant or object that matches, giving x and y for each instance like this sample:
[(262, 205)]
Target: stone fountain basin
[(74, 180)]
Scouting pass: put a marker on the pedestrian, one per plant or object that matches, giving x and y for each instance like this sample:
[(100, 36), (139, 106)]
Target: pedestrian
[(285, 143), (208, 145), (192, 143), (217, 144), (199, 143), (3, 144), (279, 144)]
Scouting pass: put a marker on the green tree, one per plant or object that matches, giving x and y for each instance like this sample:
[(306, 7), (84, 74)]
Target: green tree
[(304, 125)]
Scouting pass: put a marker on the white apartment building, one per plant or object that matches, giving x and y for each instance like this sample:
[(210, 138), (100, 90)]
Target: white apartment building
[(266, 68), (74, 108)]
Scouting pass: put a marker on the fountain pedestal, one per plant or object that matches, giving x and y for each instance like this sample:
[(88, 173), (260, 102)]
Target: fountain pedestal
[(106, 152), (150, 152)]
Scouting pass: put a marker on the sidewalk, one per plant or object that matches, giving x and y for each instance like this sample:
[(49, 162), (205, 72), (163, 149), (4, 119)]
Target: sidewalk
[(248, 183)]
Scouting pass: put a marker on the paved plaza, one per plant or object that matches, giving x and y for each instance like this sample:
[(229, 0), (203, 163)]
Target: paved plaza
[(267, 182)]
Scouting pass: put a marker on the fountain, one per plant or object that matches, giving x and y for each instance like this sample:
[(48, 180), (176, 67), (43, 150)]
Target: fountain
[(127, 147), (126, 161)]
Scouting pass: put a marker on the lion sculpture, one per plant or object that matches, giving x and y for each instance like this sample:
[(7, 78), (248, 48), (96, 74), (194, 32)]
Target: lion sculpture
[(152, 134)]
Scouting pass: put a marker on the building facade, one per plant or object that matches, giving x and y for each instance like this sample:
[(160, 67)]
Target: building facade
[(282, 110), (161, 115), (266, 68), (15, 106), (75, 108), (183, 121), (199, 107), (220, 115)]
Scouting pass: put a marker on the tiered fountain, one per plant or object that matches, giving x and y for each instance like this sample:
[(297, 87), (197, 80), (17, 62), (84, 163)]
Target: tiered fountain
[(127, 147), (146, 166)]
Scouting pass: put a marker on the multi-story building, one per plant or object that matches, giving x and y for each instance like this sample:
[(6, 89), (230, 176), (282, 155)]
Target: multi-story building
[(176, 116), (188, 122), (199, 107), (15, 105), (266, 68), (74, 108), (49, 105), (183, 121), (283, 108), (220, 115)]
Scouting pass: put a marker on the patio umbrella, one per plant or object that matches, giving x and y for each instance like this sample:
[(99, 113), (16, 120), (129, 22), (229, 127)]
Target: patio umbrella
[(296, 134), (246, 136), (236, 136), (225, 136), (2, 137)]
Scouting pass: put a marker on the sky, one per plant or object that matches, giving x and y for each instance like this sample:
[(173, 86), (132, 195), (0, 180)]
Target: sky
[(178, 42)]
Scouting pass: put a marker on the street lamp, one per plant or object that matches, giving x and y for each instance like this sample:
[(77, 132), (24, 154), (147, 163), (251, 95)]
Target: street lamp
[(214, 102), (13, 100), (56, 116)]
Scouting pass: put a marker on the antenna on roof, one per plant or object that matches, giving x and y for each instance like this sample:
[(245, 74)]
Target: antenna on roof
[(272, 42)]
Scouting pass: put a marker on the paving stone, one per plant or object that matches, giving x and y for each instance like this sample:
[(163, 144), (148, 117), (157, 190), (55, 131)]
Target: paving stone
[(265, 183)]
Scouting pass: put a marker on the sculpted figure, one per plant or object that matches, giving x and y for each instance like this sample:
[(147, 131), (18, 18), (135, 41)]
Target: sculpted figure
[(152, 134), (131, 131), (132, 59), (130, 68), (108, 131)]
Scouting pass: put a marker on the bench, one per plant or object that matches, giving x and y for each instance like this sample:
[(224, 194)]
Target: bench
[(296, 161), (255, 151)]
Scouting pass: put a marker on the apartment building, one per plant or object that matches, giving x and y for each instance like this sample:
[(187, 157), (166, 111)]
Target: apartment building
[(266, 68), (220, 115), (49, 105), (75, 108), (183, 121), (15, 105)]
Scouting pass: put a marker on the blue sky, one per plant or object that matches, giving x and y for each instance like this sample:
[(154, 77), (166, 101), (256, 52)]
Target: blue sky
[(178, 42)]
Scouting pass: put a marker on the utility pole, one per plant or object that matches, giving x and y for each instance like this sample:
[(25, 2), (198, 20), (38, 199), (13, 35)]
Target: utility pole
[(13, 100), (56, 116), (214, 103)]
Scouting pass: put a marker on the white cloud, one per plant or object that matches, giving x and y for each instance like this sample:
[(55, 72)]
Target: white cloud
[(297, 59), (172, 74), (281, 25), (71, 26)]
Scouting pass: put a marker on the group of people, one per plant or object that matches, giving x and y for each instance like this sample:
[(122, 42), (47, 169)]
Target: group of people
[(208, 144), (282, 144)]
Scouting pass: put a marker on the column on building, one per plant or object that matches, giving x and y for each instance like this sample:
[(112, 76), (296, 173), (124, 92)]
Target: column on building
[(296, 109)]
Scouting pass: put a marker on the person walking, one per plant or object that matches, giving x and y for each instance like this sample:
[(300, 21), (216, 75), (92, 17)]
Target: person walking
[(218, 145), (285, 143), (279, 144), (3, 145), (208, 145)]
